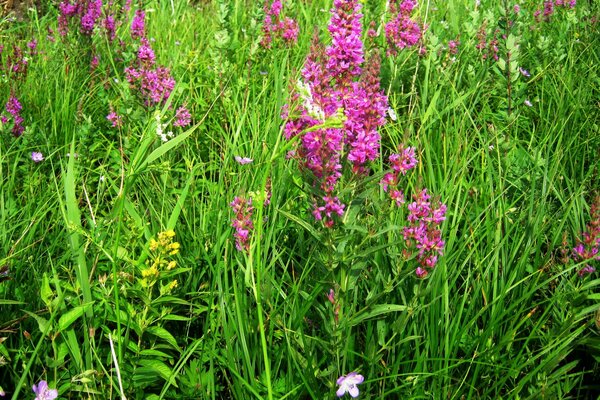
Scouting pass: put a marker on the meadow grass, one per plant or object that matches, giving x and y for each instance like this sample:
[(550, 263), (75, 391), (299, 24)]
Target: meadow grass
[(118, 251)]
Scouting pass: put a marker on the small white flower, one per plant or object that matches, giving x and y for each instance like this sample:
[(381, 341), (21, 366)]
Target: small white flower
[(392, 114), (528, 103)]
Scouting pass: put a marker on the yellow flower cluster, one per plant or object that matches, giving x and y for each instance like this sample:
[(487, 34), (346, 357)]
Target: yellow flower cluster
[(161, 249)]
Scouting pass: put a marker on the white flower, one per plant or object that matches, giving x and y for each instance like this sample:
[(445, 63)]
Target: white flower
[(392, 114), (348, 384)]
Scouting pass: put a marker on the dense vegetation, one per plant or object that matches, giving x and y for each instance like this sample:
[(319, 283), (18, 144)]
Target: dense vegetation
[(231, 199)]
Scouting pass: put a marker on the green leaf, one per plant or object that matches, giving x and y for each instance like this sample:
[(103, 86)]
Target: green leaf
[(43, 325), (71, 316), (45, 291), (156, 367), (375, 311), (163, 334)]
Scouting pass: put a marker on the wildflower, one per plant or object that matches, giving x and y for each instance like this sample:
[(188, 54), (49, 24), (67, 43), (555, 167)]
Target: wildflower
[(527, 103), (524, 72), (42, 392), (588, 248), (242, 222), (91, 15), (348, 384), (516, 8), (453, 46), (401, 31), (331, 296), (182, 116), (37, 157), (115, 119), (138, 25), (392, 114), (13, 107), (275, 25), (109, 27), (243, 160)]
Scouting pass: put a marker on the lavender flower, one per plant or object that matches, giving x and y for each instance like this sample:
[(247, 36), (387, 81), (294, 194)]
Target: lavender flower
[(243, 160), (37, 157), (42, 392), (524, 72), (348, 384)]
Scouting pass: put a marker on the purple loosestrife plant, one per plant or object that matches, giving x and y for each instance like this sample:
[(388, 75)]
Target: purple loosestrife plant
[(153, 83), (182, 117), (401, 31), (587, 249), (242, 222), (276, 26), (422, 234), (14, 108), (337, 87)]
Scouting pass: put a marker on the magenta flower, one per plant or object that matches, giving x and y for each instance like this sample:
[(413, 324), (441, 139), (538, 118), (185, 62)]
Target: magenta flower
[(348, 384), (36, 156), (276, 26), (115, 119), (138, 25), (42, 392), (401, 31), (587, 248), (182, 117), (242, 223)]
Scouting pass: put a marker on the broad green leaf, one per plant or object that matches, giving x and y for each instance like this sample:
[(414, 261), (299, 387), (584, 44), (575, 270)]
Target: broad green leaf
[(163, 334), (71, 316)]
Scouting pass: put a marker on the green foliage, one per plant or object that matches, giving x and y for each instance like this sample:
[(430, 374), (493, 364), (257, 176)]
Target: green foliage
[(117, 251)]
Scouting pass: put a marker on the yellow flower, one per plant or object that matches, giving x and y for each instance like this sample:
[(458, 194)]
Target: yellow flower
[(148, 272), (153, 245), (171, 265)]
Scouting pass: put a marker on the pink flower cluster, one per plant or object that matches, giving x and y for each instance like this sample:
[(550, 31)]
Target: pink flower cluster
[(588, 248), (14, 108), (488, 49), (154, 83), (276, 26), (87, 11), (182, 117), (549, 9), (423, 232), (401, 163), (242, 223), (335, 83), (401, 31)]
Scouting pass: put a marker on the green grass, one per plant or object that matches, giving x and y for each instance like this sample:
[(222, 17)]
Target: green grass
[(501, 316)]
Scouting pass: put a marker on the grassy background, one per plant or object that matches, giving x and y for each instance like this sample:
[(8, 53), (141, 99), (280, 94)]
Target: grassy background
[(501, 316)]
